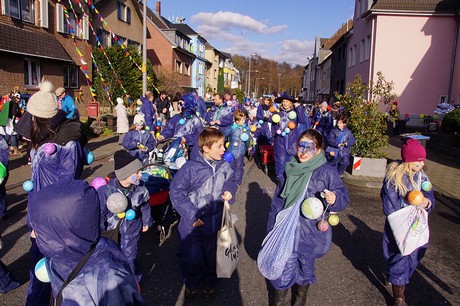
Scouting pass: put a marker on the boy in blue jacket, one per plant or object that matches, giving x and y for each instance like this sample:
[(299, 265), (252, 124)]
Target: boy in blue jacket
[(238, 143), (340, 141), (198, 191), (220, 115), (128, 183)]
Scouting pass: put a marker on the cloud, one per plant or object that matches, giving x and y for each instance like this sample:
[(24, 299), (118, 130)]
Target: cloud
[(295, 51), (226, 21)]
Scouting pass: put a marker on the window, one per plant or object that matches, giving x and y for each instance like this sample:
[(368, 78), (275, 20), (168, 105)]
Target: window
[(350, 56), (367, 54), (200, 47), (361, 51), (215, 74), (443, 99), (44, 13), (200, 68), (187, 69), (19, 9), (179, 67), (70, 76), (124, 13), (31, 72), (71, 25), (353, 59)]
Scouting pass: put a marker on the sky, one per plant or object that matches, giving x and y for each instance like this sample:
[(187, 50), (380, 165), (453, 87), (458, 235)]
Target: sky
[(283, 31)]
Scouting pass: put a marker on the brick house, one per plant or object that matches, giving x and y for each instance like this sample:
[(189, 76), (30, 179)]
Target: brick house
[(168, 49), (36, 44)]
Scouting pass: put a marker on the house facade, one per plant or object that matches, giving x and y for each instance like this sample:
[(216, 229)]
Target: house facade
[(413, 44), (168, 49), (38, 42), (123, 18), (217, 61), (198, 48)]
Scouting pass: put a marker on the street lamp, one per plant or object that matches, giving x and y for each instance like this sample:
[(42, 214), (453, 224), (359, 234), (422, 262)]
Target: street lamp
[(257, 89), (249, 78)]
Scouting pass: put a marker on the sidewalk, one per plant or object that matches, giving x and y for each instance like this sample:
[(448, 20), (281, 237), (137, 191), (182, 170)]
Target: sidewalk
[(443, 171), (20, 171)]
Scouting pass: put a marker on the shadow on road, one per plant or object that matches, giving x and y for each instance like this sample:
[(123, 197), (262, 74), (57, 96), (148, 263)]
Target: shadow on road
[(257, 209)]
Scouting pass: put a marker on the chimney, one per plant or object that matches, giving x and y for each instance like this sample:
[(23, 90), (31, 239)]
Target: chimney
[(158, 8)]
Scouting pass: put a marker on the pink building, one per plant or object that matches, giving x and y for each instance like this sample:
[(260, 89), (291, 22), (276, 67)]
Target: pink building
[(414, 44)]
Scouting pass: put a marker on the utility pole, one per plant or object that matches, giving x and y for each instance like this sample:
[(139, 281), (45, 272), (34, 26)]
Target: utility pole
[(144, 49), (249, 78), (279, 82)]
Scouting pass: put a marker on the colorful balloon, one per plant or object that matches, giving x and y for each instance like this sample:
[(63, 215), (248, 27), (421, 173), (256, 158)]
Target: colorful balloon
[(89, 157), (40, 271), (117, 203), (426, 186), (2, 170), (312, 208), (182, 121), (244, 137), (98, 182), (292, 115), (130, 214), (28, 186), (228, 157), (291, 125), (253, 128), (276, 118), (49, 148)]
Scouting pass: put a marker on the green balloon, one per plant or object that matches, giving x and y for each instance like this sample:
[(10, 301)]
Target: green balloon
[(2, 170)]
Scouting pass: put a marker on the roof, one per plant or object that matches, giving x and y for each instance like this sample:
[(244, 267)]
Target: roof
[(184, 28), (226, 55), (31, 42), (417, 6)]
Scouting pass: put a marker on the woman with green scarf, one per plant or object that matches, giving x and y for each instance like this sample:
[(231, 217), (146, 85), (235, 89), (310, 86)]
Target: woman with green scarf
[(306, 175)]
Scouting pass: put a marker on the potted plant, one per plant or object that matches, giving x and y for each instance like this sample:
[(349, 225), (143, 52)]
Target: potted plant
[(367, 123)]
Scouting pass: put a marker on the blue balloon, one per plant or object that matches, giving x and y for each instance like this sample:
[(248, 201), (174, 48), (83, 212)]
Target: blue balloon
[(244, 137), (89, 157), (130, 214), (159, 123), (261, 121), (228, 157), (28, 186), (182, 121), (287, 130), (283, 134)]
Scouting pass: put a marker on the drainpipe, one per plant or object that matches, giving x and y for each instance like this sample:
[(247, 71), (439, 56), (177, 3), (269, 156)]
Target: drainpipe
[(454, 54), (372, 53)]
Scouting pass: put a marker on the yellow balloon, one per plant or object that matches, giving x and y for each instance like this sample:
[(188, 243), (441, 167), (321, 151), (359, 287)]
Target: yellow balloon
[(226, 144), (276, 118), (139, 102), (253, 128), (121, 215)]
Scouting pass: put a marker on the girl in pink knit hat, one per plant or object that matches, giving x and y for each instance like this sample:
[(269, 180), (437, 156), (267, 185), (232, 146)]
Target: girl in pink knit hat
[(401, 178)]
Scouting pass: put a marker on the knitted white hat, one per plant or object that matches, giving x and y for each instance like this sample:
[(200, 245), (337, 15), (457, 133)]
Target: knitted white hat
[(119, 100), (43, 104), (138, 119)]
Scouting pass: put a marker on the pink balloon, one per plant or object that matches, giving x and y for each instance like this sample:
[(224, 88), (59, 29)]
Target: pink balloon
[(98, 182), (49, 148)]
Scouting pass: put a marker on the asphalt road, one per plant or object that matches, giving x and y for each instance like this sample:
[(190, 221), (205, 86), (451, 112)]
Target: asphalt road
[(351, 273)]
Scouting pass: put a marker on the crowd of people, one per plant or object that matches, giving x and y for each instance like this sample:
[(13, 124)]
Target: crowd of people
[(92, 260)]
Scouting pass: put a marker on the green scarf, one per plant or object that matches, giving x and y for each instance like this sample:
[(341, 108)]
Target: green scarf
[(297, 175)]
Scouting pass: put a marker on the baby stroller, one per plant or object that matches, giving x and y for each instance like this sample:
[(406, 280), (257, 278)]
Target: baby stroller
[(171, 153), (166, 159), (157, 179)]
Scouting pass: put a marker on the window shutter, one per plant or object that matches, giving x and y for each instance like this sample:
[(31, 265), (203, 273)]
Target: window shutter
[(59, 18), (84, 28), (5, 7), (44, 13)]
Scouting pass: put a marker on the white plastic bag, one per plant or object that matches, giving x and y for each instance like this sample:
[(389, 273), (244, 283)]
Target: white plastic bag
[(410, 228), (228, 249)]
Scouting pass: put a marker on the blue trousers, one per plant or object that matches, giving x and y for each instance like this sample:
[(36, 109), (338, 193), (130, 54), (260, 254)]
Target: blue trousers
[(197, 256), (238, 168), (38, 294)]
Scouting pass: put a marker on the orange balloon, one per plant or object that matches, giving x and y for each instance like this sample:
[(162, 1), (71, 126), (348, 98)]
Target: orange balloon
[(253, 128), (271, 109), (415, 197), (291, 125), (332, 153)]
